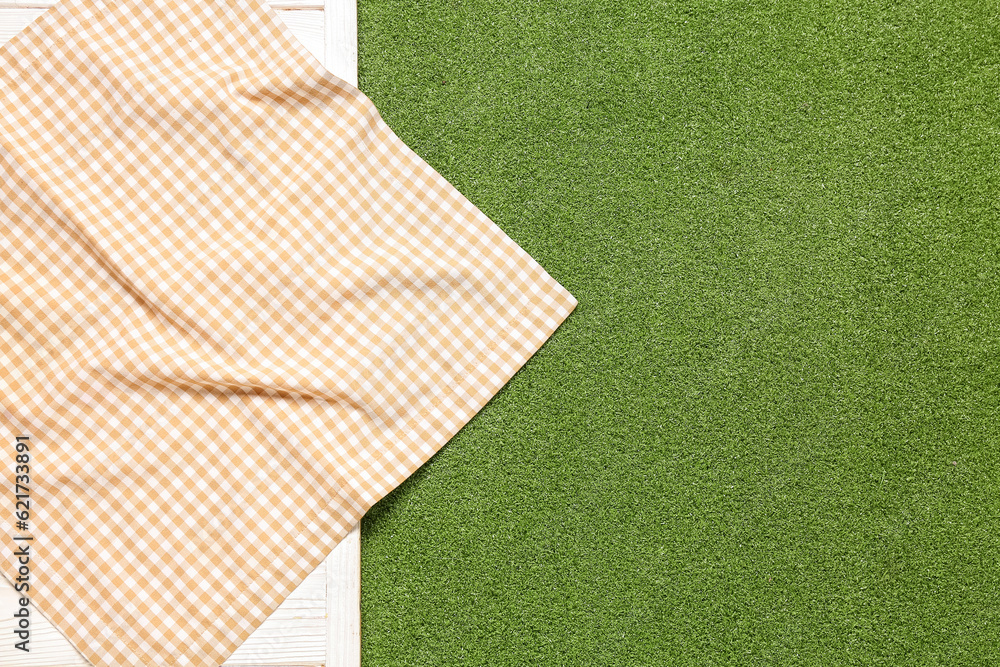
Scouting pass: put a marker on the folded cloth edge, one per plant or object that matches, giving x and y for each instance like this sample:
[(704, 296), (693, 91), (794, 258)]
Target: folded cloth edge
[(424, 433)]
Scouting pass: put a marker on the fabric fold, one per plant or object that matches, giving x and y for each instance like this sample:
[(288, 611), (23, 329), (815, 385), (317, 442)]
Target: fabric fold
[(237, 311)]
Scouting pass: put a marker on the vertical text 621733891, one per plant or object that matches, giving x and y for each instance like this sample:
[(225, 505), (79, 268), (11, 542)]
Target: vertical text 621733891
[(22, 540)]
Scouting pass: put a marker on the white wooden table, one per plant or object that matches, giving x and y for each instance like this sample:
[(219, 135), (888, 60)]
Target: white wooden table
[(320, 623)]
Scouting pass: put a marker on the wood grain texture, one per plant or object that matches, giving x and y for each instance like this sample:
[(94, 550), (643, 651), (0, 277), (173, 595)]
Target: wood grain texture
[(294, 635), (341, 56), (343, 591), (309, 26), (13, 21)]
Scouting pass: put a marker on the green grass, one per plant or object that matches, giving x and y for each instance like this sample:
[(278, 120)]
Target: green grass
[(768, 435)]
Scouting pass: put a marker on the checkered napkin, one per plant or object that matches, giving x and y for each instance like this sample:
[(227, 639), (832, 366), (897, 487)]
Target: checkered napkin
[(237, 311)]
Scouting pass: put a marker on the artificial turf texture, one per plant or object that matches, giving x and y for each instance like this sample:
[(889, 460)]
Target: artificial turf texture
[(768, 435)]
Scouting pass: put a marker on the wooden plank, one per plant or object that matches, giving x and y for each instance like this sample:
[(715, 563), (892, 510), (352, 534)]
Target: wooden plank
[(48, 646), (308, 25), (13, 21), (295, 634), (342, 39), (343, 647)]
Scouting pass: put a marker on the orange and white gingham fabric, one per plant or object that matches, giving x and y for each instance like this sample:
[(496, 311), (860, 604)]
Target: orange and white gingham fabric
[(237, 311)]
